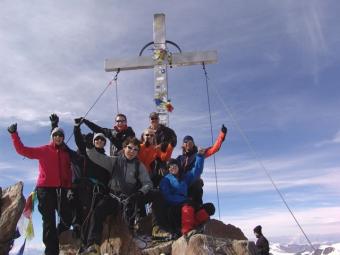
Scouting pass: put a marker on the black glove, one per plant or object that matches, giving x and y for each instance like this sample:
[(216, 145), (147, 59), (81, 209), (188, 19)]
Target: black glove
[(224, 129), (12, 128), (137, 196), (54, 119), (89, 140), (78, 121), (209, 208)]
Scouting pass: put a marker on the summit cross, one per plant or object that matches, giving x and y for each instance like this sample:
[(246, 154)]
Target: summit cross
[(160, 61)]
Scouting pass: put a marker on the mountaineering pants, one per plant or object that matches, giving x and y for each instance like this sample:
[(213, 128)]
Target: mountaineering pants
[(48, 205), (195, 191), (105, 207)]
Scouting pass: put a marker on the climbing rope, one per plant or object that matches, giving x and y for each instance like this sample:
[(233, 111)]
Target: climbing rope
[(212, 139), (257, 157), (97, 99)]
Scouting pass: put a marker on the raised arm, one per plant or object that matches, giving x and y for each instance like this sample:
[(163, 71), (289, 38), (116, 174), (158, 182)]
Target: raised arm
[(29, 152), (101, 159), (78, 137), (54, 121), (197, 170), (97, 129), (218, 143)]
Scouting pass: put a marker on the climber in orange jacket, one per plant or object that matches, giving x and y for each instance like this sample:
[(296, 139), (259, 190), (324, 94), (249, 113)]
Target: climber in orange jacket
[(149, 152)]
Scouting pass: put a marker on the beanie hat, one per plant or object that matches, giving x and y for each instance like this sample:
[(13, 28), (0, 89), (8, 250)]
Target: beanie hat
[(188, 138), (172, 161), (57, 130), (258, 229), (99, 135)]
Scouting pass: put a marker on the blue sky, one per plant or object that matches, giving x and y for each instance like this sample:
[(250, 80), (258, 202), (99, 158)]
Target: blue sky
[(277, 72)]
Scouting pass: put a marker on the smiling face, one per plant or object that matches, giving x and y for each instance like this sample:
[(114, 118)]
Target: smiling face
[(154, 121), (99, 142), (149, 136), (120, 122), (58, 138), (173, 169), (130, 151), (188, 145)]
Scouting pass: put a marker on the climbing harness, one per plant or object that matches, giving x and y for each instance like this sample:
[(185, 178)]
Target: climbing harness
[(212, 138)]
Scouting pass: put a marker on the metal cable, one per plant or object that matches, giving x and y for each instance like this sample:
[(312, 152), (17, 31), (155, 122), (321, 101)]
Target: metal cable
[(96, 101), (257, 157), (212, 140)]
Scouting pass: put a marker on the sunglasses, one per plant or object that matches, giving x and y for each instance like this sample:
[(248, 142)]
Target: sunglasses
[(154, 118), (132, 148), (100, 138), (120, 121), (151, 135)]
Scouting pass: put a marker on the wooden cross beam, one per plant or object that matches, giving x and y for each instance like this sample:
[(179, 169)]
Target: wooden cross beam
[(159, 62)]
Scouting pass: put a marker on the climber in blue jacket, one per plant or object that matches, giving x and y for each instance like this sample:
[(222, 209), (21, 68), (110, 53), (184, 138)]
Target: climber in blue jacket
[(174, 188)]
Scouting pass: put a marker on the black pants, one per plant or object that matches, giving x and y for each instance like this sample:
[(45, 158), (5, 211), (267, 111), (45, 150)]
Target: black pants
[(195, 191), (47, 206), (105, 207)]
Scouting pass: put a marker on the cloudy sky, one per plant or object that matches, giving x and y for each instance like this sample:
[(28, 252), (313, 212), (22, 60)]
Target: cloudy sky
[(274, 87)]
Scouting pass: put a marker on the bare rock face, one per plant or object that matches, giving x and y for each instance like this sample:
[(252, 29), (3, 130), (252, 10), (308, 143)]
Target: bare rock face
[(218, 229), (117, 239), (205, 245), (11, 206)]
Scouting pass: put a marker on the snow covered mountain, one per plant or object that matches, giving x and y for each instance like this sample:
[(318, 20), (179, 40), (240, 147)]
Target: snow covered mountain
[(302, 249)]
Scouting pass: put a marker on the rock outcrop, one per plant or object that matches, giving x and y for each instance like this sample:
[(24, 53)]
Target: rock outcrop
[(12, 204)]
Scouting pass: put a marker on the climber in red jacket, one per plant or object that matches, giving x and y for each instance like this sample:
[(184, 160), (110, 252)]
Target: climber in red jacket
[(53, 184)]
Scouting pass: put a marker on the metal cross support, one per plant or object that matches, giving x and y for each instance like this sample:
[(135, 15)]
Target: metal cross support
[(160, 61)]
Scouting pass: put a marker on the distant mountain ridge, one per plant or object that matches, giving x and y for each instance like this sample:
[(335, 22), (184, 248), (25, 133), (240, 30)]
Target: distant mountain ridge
[(303, 249)]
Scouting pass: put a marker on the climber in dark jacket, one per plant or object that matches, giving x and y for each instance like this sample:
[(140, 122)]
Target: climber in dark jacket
[(126, 175), (187, 160), (262, 244), (53, 185), (163, 134), (117, 135), (174, 188), (92, 185)]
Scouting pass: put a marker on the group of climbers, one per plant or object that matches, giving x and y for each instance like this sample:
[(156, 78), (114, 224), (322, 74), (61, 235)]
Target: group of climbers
[(95, 185)]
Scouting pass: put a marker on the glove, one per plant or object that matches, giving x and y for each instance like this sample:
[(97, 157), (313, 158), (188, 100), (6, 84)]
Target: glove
[(201, 151), (224, 129), (209, 208), (12, 128), (54, 119), (70, 195), (136, 196), (89, 140), (78, 121)]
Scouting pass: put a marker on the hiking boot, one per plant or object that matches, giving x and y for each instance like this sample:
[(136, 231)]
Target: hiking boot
[(160, 234), (93, 249)]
